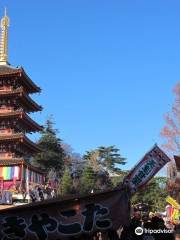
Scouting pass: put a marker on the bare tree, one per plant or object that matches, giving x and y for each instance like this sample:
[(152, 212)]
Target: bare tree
[(171, 131)]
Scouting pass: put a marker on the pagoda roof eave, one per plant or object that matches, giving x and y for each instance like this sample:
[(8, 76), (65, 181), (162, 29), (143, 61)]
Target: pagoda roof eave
[(24, 117), (29, 143), (9, 70), (29, 82), (32, 103), (21, 138), (20, 93), (29, 120), (20, 72)]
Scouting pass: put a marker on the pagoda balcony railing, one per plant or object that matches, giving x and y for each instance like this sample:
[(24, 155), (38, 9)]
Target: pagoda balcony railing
[(10, 88), (6, 109), (7, 131), (6, 88), (6, 155)]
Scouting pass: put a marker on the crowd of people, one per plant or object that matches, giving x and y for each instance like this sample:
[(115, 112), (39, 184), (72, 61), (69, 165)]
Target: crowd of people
[(153, 223), (40, 193), (157, 227)]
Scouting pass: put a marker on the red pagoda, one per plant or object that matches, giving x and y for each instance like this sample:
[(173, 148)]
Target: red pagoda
[(15, 104)]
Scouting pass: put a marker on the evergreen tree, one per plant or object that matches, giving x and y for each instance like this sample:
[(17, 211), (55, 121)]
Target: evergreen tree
[(153, 194), (116, 180), (87, 180), (92, 158), (66, 185), (111, 159), (107, 158), (52, 155)]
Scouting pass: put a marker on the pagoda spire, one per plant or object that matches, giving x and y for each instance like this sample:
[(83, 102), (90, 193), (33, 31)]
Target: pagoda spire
[(4, 39)]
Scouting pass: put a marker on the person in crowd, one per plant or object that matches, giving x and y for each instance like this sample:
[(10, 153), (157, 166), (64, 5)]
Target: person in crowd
[(32, 195), (128, 233), (177, 236), (177, 232), (52, 193), (40, 193)]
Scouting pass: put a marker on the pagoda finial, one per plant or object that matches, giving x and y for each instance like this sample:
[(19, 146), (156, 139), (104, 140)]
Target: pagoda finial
[(4, 39)]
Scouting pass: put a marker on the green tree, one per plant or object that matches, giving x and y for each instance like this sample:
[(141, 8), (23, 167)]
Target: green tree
[(92, 158), (116, 180), (153, 194), (107, 158), (66, 184), (52, 155), (87, 180), (111, 159)]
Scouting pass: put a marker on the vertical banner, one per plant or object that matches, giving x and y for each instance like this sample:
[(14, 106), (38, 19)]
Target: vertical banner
[(145, 169)]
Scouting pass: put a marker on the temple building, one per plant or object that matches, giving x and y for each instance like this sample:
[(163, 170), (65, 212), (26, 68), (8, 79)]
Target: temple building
[(15, 104)]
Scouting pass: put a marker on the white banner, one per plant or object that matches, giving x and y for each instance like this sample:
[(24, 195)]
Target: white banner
[(145, 169)]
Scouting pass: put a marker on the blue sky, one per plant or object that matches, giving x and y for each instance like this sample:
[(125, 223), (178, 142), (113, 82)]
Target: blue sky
[(106, 68)]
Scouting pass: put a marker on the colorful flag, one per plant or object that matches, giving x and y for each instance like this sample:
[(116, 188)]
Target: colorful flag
[(173, 202)]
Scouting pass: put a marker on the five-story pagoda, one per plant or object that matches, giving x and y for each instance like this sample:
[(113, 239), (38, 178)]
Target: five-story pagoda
[(15, 105)]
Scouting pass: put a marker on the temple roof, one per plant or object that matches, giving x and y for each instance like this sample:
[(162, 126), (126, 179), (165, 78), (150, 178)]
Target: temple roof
[(18, 161), (8, 70), (30, 104), (30, 123), (20, 138)]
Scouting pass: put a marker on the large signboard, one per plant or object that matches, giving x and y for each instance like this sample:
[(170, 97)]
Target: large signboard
[(150, 164), (59, 219)]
